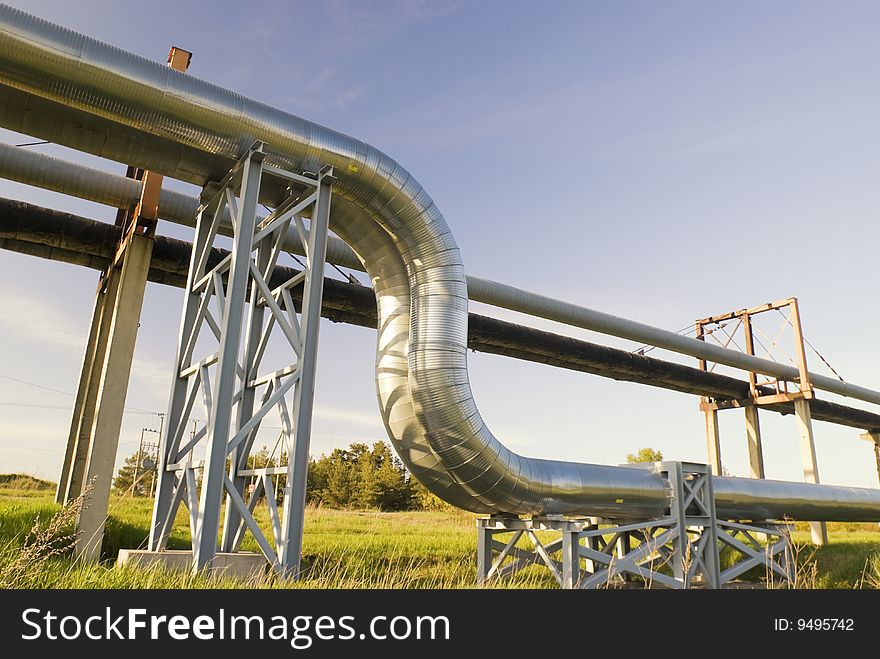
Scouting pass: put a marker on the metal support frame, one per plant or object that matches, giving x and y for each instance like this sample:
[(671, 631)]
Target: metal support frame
[(759, 397), (678, 550), (231, 376), (764, 545)]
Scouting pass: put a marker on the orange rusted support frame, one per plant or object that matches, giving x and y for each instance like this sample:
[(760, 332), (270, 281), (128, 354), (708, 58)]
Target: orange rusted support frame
[(758, 397)]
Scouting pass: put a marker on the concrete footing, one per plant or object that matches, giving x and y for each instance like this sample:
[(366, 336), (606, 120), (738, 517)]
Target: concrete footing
[(240, 565)]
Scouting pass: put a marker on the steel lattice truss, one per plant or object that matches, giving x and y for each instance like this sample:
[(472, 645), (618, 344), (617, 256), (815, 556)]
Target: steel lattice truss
[(234, 306), (679, 550)]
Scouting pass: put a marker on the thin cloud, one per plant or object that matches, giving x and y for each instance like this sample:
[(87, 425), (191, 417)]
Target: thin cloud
[(37, 320), (153, 376), (349, 415)]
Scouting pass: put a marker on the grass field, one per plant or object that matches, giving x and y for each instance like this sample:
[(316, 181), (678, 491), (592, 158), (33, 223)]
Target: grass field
[(342, 549)]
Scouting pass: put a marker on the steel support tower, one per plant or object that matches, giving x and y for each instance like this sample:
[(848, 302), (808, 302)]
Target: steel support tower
[(678, 550), (233, 307)]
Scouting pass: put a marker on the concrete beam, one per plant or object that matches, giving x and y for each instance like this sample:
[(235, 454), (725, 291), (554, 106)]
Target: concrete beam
[(244, 565), (753, 438), (818, 530), (874, 438), (713, 442)]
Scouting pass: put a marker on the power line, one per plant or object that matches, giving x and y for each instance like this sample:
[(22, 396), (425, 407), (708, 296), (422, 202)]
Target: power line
[(136, 410), (819, 354), (33, 384), (29, 448), (645, 349), (35, 405), (65, 407)]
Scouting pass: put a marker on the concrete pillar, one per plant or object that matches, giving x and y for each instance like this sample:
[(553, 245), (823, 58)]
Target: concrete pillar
[(818, 530), (877, 457), (112, 390), (874, 438), (753, 437), (77, 452), (713, 441)]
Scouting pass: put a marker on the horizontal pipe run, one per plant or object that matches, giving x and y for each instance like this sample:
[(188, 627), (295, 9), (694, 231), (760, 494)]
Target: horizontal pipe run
[(40, 170), (59, 236), (118, 191), (515, 299)]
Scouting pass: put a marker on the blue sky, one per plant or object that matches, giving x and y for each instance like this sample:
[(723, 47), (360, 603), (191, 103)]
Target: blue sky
[(660, 161)]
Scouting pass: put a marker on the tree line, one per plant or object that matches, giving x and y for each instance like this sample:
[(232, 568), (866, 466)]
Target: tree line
[(357, 477)]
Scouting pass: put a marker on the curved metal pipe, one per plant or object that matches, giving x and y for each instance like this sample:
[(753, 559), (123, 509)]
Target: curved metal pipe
[(132, 110)]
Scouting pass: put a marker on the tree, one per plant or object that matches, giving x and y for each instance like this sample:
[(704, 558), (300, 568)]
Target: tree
[(125, 477), (388, 487), (262, 459), (424, 499), (340, 482), (646, 454), (361, 477)]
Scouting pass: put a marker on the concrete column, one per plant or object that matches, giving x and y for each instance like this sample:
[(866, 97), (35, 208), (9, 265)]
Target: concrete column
[(88, 360), (818, 530), (877, 457), (874, 438), (78, 440), (713, 441), (753, 437), (112, 390)]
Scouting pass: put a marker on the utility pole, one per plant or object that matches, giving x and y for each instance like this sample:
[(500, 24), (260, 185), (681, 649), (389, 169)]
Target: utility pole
[(137, 464)]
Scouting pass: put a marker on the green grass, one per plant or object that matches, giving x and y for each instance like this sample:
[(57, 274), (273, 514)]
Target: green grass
[(341, 549), (850, 560), (23, 482), (348, 549)]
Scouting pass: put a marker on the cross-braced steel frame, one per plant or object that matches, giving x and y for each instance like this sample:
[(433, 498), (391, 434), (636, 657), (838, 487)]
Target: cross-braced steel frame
[(678, 550), (229, 378)]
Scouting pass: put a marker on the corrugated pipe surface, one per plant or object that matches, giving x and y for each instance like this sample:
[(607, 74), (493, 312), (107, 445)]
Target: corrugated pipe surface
[(96, 98)]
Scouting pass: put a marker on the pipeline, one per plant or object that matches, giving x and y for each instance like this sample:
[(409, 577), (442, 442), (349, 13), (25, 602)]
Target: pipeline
[(118, 191), (67, 88), (57, 236)]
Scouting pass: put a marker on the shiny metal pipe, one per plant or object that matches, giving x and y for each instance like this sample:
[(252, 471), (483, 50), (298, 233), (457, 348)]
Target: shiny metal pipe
[(118, 191), (50, 173), (508, 297), (96, 98)]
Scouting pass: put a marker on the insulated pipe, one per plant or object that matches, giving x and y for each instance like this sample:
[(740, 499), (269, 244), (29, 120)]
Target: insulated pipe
[(118, 191), (508, 297), (50, 173), (59, 236), (73, 90)]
